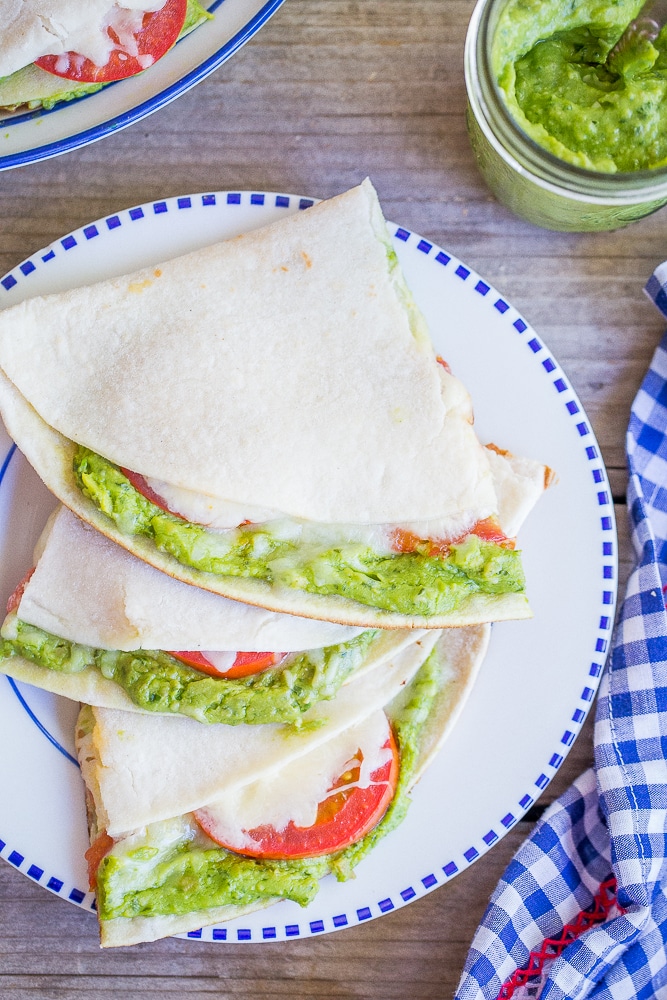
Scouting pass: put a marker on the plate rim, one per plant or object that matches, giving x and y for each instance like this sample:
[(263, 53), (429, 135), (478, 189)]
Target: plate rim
[(138, 112)]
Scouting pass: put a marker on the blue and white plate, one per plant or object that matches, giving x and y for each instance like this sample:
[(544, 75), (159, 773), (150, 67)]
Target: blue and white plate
[(37, 135), (540, 676)]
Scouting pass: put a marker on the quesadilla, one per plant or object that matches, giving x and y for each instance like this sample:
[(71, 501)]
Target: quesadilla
[(56, 50), (96, 624), (266, 419), (192, 826)]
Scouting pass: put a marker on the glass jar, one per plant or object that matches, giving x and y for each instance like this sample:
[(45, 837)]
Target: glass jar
[(532, 182)]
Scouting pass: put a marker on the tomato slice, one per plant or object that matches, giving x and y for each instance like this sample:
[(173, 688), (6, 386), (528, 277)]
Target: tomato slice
[(141, 486), (487, 529), (244, 665), (95, 854), (133, 51), (490, 531), (343, 818), (15, 597), (408, 541)]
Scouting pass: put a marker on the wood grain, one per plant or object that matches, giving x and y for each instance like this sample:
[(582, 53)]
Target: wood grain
[(327, 92)]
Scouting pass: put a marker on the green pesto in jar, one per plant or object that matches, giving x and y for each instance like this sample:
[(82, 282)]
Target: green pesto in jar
[(550, 61)]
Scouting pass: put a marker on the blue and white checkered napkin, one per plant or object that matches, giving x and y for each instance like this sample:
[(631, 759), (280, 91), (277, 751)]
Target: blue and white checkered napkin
[(612, 822)]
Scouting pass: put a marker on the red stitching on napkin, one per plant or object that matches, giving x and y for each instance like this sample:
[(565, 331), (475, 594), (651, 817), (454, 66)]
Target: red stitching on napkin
[(551, 948)]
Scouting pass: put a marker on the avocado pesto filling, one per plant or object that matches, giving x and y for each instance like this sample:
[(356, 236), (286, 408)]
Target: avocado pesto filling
[(168, 870), (153, 881), (409, 583), (158, 682), (32, 87)]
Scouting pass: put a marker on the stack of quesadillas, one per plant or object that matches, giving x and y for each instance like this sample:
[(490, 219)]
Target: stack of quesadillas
[(284, 519)]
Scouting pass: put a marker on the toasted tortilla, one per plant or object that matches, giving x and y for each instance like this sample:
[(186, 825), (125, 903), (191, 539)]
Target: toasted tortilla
[(294, 354), (195, 764), (116, 761), (463, 651), (91, 591), (52, 455), (91, 688)]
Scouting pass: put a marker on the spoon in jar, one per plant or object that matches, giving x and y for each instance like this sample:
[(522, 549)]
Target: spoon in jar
[(634, 52)]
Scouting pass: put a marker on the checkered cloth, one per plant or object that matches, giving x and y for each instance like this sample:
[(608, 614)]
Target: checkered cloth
[(555, 927)]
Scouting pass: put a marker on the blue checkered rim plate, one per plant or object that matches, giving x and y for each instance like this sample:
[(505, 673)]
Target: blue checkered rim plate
[(38, 135), (538, 681)]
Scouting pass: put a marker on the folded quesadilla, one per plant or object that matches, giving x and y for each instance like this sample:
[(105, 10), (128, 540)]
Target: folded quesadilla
[(266, 418), (56, 50), (96, 624), (193, 825)]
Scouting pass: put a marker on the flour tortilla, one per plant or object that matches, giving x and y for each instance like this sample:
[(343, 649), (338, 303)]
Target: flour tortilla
[(117, 743), (34, 28), (153, 768), (91, 688), (88, 590), (52, 455), (91, 591), (293, 354)]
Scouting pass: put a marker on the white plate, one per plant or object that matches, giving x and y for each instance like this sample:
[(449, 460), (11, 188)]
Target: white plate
[(37, 135), (539, 678)]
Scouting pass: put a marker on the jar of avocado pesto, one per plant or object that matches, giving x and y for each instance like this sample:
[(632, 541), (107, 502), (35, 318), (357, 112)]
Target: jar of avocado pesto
[(564, 137)]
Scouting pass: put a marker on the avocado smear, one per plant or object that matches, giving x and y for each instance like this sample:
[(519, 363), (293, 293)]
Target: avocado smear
[(410, 583), (550, 62), (178, 876), (158, 682), (33, 87)]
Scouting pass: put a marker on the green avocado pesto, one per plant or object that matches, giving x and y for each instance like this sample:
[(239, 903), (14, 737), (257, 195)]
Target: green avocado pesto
[(32, 87), (409, 583), (158, 682), (172, 874), (550, 62)]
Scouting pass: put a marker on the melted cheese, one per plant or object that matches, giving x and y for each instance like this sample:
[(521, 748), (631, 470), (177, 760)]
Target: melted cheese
[(56, 27), (221, 515), (95, 43), (294, 792), (209, 511), (222, 660)]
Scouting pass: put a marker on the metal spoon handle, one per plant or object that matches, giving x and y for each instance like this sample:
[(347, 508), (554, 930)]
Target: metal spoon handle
[(647, 25)]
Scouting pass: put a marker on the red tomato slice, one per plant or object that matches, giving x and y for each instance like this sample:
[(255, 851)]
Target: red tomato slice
[(97, 851), (141, 486), (407, 541), (342, 819), (15, 597), (244, 665), (487, 529), (490, 531), (160, 29)]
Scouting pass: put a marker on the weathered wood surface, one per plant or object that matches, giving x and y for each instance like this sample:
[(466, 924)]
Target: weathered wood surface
[(329, 91)]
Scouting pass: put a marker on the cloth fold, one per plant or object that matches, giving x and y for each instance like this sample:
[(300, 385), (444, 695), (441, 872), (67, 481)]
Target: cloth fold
[(581, 910)]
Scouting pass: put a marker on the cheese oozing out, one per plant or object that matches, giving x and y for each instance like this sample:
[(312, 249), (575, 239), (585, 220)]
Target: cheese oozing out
[(222, 660), (293, 792), (222, 515), (91, 40)]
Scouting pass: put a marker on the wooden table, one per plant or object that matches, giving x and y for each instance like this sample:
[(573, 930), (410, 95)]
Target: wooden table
[(327, 92)]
